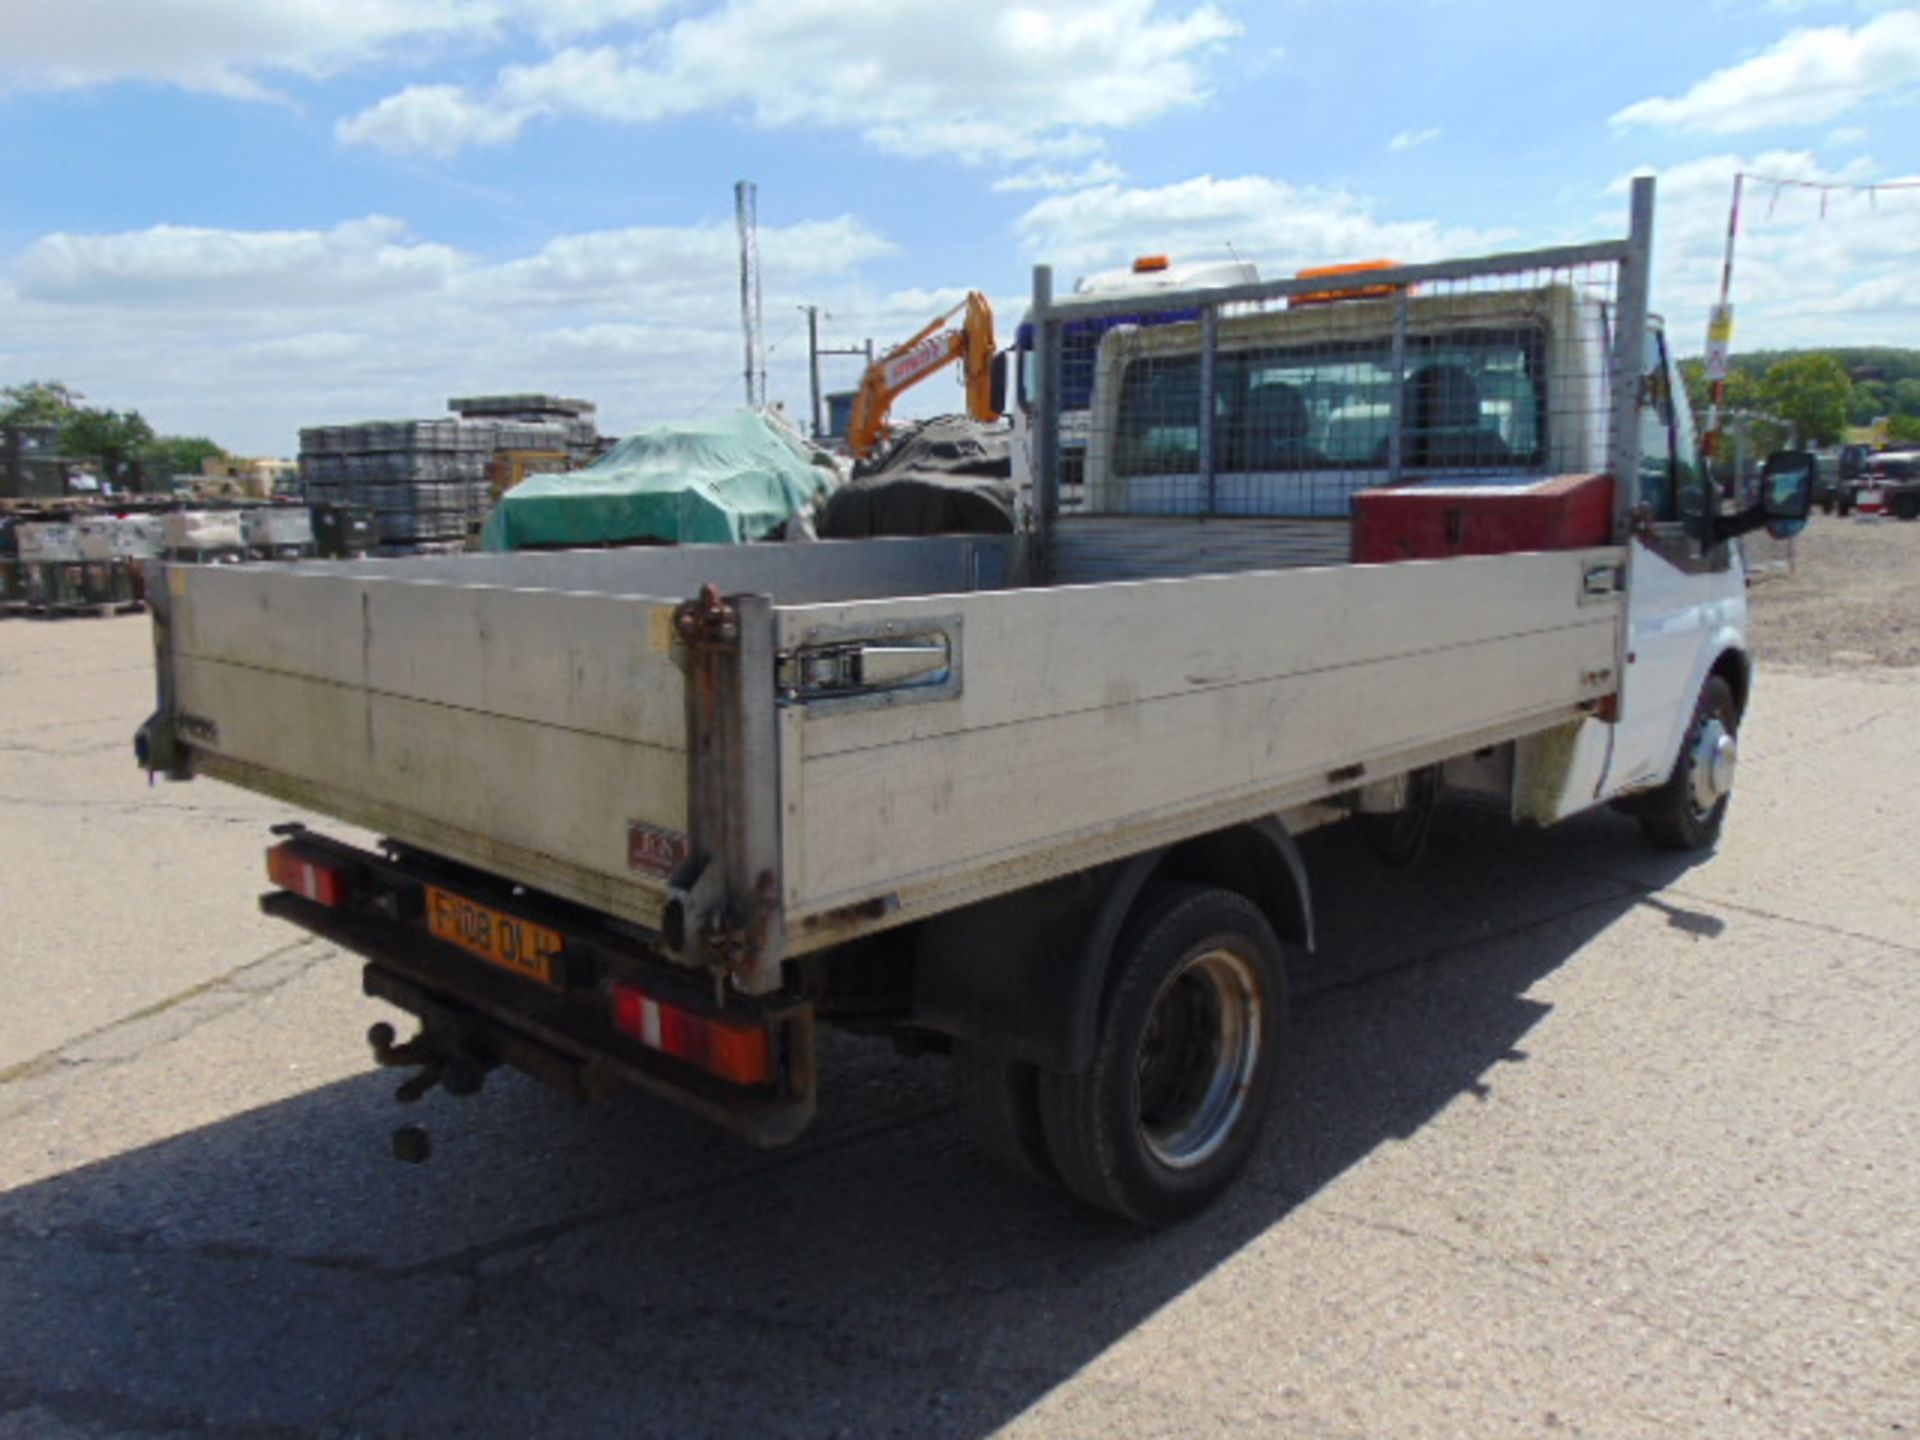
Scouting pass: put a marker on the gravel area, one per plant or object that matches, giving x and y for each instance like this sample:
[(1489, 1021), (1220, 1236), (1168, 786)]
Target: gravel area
[(1851, 599)]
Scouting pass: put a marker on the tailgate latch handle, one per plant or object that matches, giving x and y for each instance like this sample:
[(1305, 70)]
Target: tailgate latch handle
[(920, 665), (883, 666)]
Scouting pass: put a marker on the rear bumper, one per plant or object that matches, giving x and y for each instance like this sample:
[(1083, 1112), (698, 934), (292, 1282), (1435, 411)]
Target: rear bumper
[(562, 1035)]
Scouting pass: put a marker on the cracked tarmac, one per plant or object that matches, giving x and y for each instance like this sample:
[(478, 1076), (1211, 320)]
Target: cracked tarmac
[(1576, 1139)]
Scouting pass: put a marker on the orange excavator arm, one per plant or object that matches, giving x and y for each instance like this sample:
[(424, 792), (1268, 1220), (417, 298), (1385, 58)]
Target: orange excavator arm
[(937, 345)]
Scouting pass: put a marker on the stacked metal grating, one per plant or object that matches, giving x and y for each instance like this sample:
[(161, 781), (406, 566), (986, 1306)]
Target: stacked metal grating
[(425, 480), (575, 418)]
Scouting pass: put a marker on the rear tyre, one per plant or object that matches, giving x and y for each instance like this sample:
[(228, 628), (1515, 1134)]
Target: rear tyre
[(1687, 812), (1000, 1103), (1183, 1073), (1906, 507)]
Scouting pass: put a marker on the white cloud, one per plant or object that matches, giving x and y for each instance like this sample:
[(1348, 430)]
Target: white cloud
[(225, 46), (678, 271), (1100, 172), (436, 120), (557, 20), (1810, 268), (1408, 139), (1807, 78), (1848, 136), (215, 45), (903, 75), (1281, 226), (171, 266), (249, 335)]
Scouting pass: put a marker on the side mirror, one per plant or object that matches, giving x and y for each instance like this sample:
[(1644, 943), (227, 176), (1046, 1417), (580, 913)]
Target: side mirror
[(1786, 499), (1786, 491), (997, 382)]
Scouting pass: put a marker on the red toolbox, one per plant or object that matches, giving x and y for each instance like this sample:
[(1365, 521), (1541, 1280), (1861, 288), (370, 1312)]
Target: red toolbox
[(1438, 521)]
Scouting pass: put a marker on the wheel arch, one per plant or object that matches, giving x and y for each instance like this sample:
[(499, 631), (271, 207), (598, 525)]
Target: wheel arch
[(1726, 654), (1735, 666), (1259, 861), (1026, 973)]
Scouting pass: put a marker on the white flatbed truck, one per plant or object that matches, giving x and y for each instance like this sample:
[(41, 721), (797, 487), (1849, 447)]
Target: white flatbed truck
[(653, 817)]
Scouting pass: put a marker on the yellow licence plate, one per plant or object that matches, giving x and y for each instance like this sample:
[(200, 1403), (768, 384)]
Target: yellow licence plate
[(512, 944)]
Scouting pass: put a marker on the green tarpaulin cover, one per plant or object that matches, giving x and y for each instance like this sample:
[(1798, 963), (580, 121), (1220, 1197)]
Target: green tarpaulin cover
[(707, 482)]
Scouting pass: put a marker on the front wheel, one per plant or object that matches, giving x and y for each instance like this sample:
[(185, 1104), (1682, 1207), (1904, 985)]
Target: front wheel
[(1687, 812), (1183, 1072)]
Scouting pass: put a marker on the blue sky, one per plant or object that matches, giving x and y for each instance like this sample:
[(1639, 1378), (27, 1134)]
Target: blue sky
[(242, 216)]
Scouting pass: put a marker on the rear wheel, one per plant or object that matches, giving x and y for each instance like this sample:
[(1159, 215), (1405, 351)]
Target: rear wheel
[(1906, 507), (1687, 812), (1183, 1071)]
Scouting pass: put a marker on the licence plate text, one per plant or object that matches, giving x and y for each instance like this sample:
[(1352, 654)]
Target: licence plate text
[(512, 944)]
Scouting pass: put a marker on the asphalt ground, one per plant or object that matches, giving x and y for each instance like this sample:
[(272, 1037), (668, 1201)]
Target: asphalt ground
[(1577, 1139)]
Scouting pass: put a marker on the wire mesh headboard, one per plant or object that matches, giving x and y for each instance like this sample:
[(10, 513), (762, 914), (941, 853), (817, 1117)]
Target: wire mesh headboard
[(1281, 399)]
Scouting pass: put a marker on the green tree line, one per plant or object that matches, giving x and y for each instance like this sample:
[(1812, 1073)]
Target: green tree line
[(1890, 383), (114, 440), (1811, 393)]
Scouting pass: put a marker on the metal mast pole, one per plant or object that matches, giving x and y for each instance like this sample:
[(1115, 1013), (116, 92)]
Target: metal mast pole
[(746, 196), (813, 367), (1629, 361), (1720, 331)]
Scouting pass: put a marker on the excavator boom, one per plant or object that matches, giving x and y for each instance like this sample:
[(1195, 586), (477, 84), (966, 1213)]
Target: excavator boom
[(938, 344)]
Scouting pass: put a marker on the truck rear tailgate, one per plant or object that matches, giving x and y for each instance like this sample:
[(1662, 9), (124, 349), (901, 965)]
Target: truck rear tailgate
[(525, 714), (520, 731)]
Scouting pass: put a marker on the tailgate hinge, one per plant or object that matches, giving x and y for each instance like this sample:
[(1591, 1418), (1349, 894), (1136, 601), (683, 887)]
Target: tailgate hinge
[(723, 905)]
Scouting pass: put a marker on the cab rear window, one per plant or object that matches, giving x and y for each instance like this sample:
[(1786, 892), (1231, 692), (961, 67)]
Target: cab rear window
[(1471, 400)]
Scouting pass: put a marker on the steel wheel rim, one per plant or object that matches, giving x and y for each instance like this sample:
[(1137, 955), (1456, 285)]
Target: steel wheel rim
[(1197, 1058), (1715, 758)]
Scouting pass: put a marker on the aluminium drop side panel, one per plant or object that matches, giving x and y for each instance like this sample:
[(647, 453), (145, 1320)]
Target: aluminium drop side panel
[(793, 574), (1093, 722), (522, 732)]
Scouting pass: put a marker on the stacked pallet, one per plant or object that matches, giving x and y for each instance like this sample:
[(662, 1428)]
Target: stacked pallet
[(70, 566), (580, 434), (426, 480)]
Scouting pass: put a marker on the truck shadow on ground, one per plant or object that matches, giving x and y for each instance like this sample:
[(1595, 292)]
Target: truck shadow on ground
[(627, 1271)]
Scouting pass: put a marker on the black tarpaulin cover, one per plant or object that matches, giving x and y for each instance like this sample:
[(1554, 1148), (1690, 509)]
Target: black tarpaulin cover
[(946, 476)]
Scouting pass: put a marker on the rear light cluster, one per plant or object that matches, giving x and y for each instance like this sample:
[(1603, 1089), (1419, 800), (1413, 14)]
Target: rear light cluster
[(290, 869), (736, 1051)]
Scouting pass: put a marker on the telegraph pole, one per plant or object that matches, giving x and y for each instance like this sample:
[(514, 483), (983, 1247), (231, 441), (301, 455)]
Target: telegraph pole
[(814, 351), (813, 366)]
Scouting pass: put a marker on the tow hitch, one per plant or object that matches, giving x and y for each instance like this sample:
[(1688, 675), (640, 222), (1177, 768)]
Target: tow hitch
[(437, 1059)]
